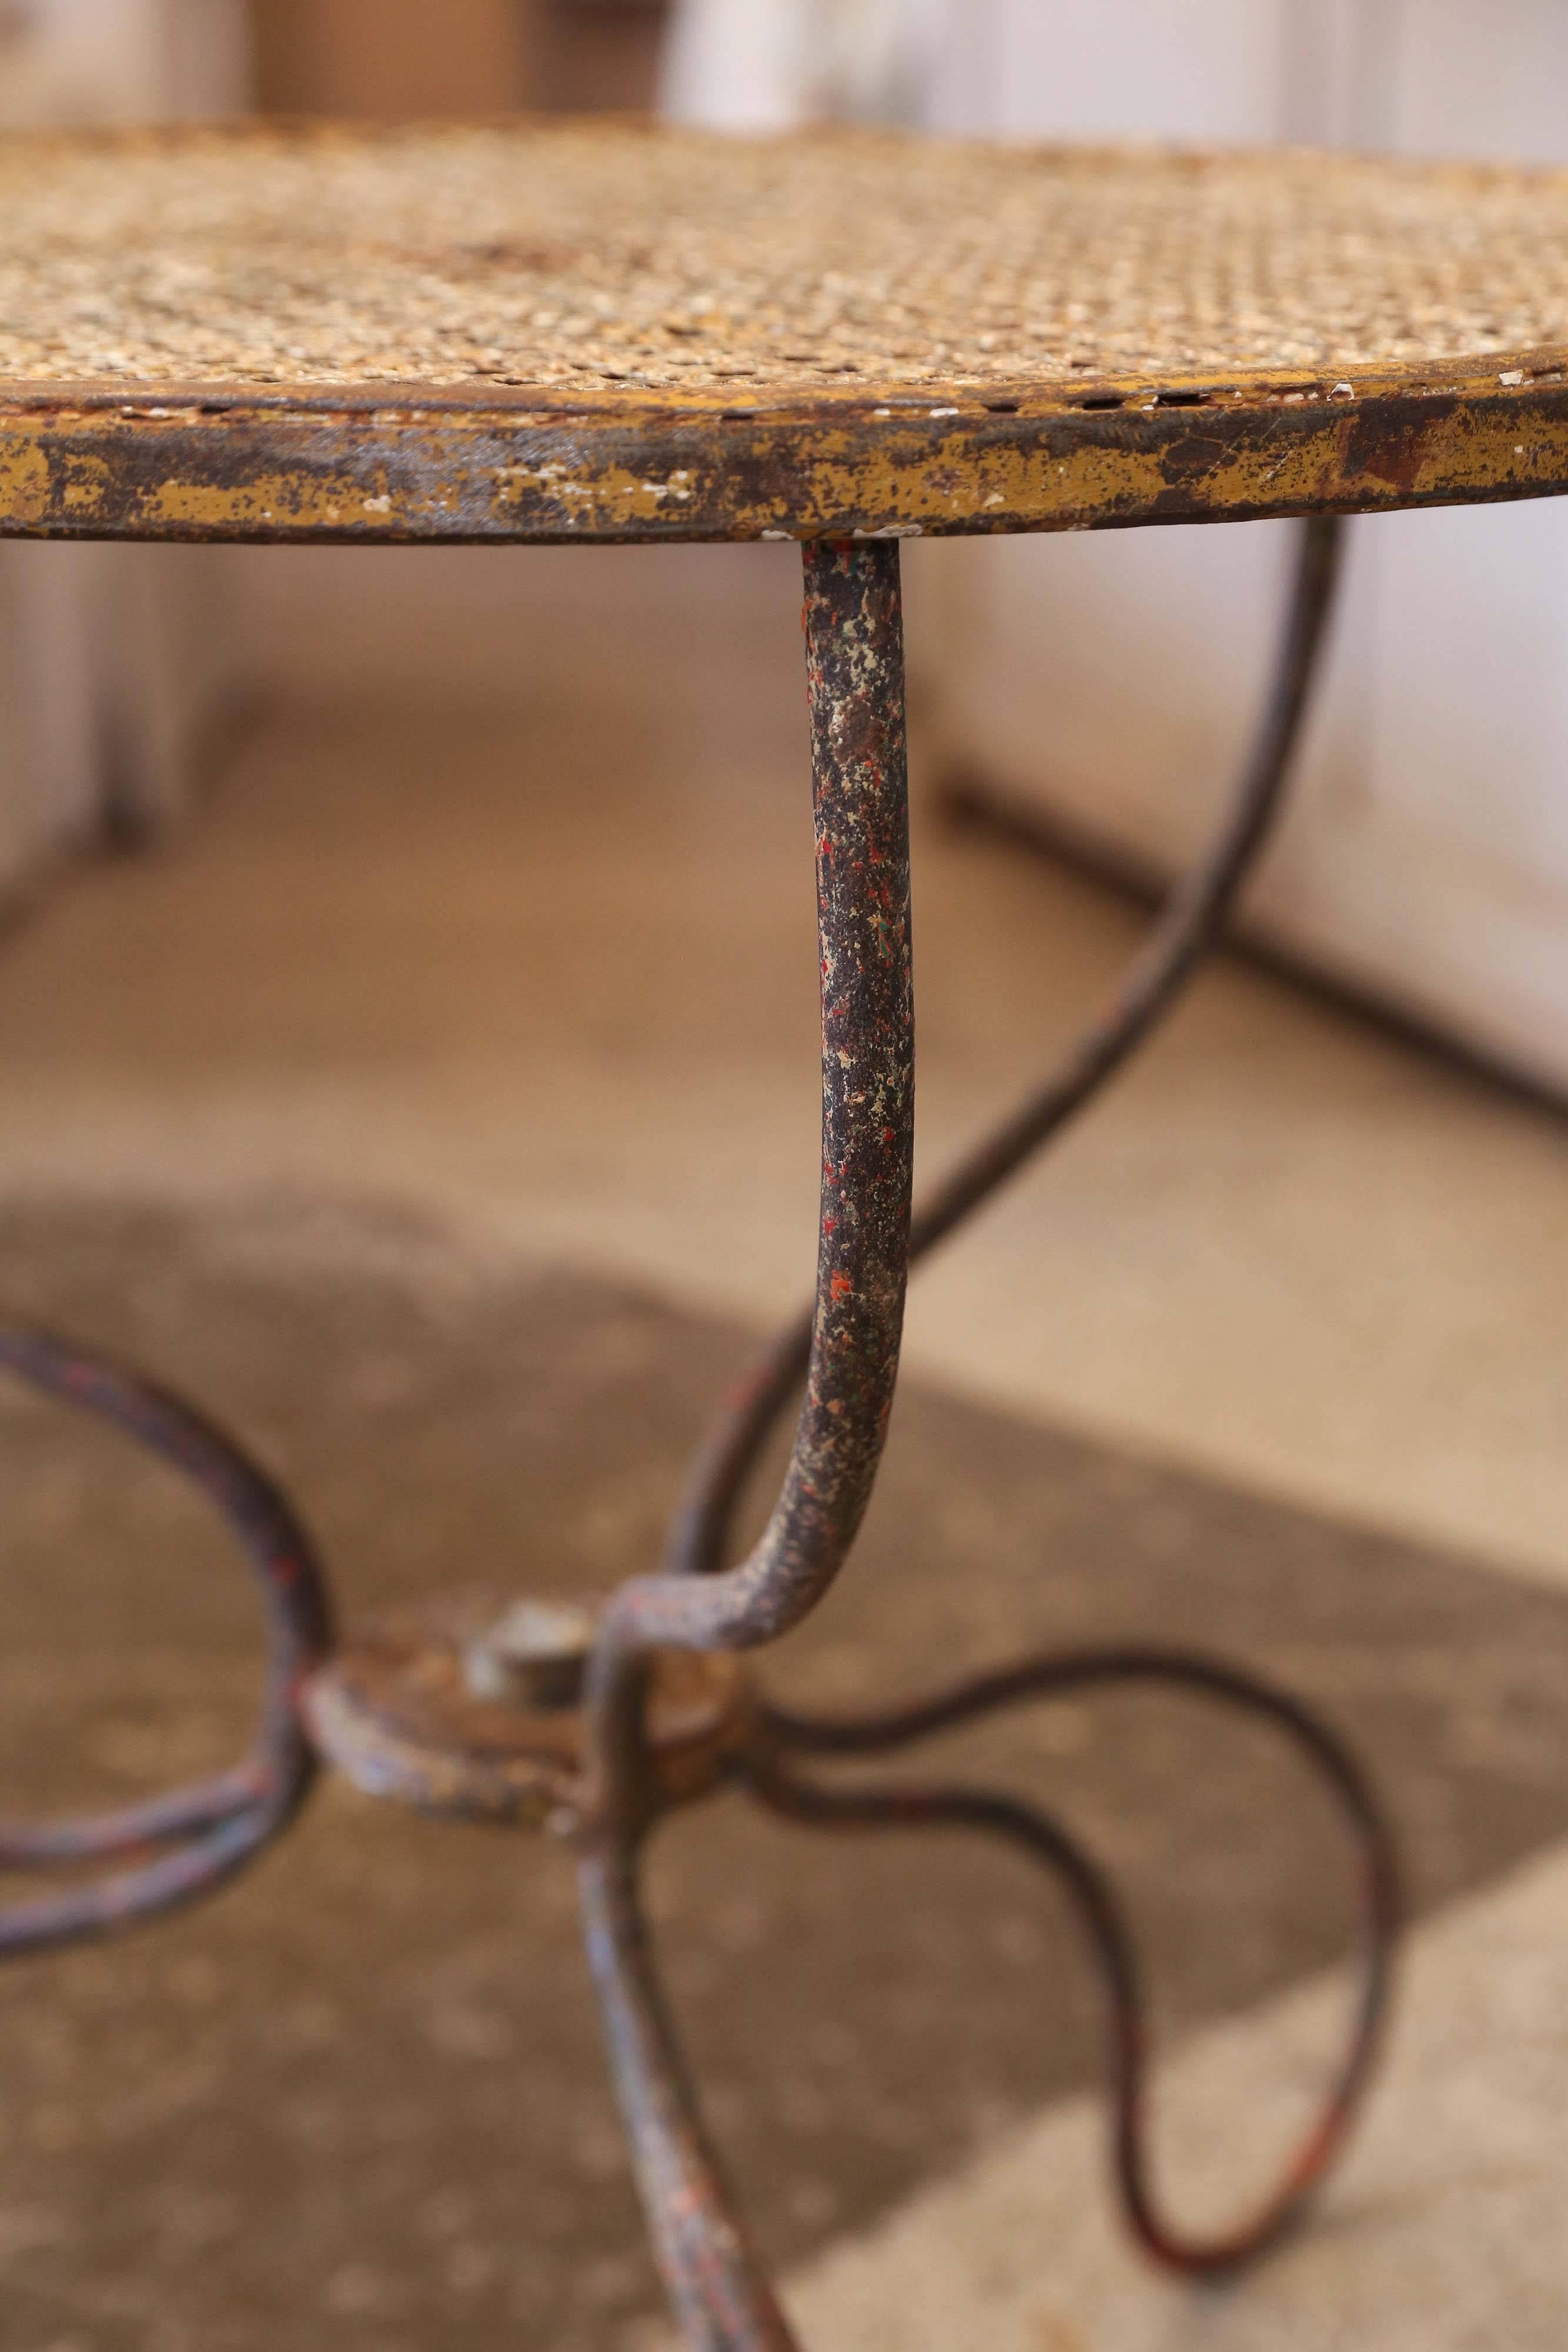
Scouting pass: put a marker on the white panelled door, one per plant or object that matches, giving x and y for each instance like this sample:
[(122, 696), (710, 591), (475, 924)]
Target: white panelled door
[(1114, 675)]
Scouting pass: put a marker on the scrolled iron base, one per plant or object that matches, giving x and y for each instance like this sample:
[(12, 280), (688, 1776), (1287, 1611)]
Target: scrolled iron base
[(187, 1844), (771, 1768), (596, 1725)]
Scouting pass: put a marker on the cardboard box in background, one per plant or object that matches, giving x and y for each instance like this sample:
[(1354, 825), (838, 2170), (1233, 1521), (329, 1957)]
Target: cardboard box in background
[(388, 58), (588, 55), (405, 58)]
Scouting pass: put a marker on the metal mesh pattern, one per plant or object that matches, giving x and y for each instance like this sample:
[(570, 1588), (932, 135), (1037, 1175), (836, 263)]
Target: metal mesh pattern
[(579, 255)]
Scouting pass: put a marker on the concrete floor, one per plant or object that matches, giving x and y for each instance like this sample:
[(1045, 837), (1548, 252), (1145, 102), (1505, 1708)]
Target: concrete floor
[(505, 910)]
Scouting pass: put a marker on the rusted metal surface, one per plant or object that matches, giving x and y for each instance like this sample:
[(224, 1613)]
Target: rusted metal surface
[(613, 330), (198, 461), (722, 2297), (854, 663), (719, 2291), (215, 1827), (398, 1711), (599, 1724)]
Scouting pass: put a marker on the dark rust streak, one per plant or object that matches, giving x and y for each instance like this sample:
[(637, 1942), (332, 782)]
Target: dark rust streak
[(1388, 446)]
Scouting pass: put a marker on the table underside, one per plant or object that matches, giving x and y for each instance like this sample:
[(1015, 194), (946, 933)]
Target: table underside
[(577, 332)]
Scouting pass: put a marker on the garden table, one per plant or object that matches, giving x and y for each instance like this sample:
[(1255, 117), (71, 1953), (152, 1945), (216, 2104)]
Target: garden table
[(574, 334)]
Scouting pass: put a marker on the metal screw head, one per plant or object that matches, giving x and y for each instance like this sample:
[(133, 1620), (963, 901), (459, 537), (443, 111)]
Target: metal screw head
[(534, 1655)]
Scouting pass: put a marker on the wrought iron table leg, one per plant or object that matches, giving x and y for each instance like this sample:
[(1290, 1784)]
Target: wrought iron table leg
[(715, 2284), (770, 1769), (215, 1827), (1189, 926), (854, 658), (603, 1727)]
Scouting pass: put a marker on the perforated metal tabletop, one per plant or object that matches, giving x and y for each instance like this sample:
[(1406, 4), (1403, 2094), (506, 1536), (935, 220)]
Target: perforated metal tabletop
[(580, 331)]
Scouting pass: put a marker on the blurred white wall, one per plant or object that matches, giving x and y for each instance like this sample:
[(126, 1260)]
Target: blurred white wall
[(111, 658), (120, 60), (761, 65), (1114, 675)]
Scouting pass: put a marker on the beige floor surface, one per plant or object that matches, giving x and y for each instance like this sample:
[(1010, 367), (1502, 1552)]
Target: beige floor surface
[(1444, 2233), (507, 909)]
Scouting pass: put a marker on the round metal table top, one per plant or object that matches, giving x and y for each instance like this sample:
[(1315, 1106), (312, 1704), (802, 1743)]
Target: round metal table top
[(576, 330)]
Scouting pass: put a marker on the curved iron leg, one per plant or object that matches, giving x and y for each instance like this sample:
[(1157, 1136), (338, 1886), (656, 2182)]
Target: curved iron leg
[(848, 1352), (215, 1826), (855, 674), (1193, 918), (717, 2285), (847, 1349), (782, 1734)]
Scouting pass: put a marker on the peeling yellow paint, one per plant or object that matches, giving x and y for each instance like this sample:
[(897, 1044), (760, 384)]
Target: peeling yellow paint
[(24, 482), (272, 500), (246, 472)]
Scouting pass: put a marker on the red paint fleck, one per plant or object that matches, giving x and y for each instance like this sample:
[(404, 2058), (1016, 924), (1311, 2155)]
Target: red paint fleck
[(842, 1288)]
